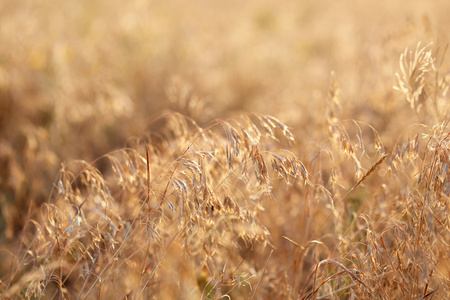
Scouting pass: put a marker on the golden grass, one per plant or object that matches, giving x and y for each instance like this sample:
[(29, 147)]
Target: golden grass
[(214, 151)]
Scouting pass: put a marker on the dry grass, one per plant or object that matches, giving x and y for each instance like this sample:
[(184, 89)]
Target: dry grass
[(192, 205), (146, 152)]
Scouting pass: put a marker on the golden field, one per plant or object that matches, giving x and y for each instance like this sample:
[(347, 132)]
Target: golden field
[(224, 150)]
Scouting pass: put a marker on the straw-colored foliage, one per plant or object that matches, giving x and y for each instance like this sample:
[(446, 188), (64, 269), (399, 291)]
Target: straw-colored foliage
[(224, 150)]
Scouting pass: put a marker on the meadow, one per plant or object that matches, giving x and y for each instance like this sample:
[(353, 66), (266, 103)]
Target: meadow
[(224, 150)]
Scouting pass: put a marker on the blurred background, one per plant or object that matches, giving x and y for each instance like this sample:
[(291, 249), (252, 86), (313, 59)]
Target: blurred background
[(81, 78)]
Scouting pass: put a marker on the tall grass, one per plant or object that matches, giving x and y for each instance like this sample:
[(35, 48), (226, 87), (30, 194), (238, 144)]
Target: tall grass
[(337, 189), (172, 217)]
